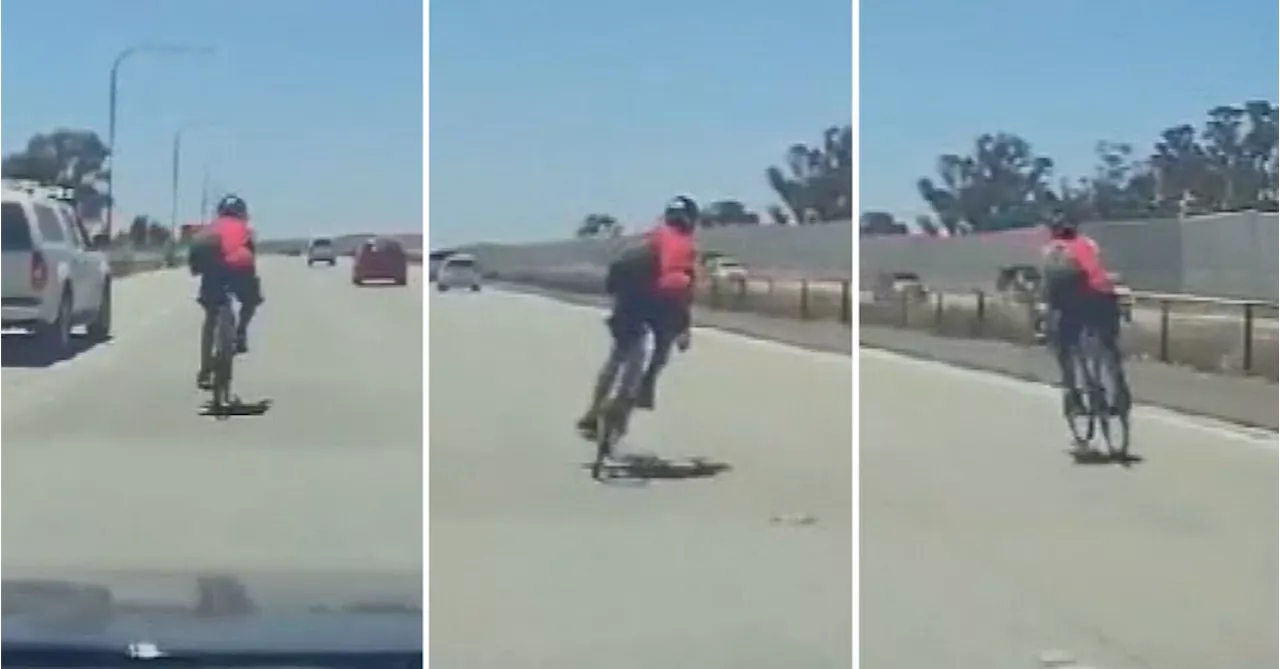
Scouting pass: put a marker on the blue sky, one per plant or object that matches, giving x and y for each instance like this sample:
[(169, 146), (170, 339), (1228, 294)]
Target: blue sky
[(310, 109), (542, 112), (937, 73)]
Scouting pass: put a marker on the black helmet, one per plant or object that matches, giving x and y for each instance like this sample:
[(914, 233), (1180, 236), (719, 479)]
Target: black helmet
[(1061, 221), (233, 207), (681, 212)]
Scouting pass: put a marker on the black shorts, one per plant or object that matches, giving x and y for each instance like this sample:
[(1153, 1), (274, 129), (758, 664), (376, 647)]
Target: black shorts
[(217, 284), (632, 318), (1096, 311)]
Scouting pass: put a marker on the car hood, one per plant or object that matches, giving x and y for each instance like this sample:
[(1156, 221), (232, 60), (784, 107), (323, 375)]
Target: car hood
[(219, 614)]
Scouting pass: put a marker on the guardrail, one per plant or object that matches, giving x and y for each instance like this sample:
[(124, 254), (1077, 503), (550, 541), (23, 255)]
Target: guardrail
[(1208, 334), (801, 299)]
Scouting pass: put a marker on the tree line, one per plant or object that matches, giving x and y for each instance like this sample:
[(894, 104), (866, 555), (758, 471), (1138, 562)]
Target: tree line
[(77, 159), (1227, 164), (815, 186)]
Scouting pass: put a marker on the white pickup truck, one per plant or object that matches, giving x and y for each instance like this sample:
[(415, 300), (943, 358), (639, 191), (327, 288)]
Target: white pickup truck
[(54, 276)]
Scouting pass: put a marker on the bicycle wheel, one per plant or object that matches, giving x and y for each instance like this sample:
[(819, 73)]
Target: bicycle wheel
[(1078, 414), (1113, 404), (607, 433), (224, 354)]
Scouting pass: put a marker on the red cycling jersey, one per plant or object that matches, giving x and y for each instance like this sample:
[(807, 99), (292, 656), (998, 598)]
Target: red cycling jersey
[(235, 240), (677, 258), (1084, 250)]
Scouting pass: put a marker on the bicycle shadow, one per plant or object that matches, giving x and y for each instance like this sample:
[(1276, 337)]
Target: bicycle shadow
[(641, 468), (236, 408), (1094, 457)]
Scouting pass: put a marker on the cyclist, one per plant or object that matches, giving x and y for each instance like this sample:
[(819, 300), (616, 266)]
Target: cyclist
[(652, 286), (1078, 293), (223, 254)]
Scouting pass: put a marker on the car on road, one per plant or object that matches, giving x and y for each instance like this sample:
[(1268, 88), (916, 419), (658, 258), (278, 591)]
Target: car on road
[(460, 270), (320, 249), (723, 268), (380, 259), (55, 276)]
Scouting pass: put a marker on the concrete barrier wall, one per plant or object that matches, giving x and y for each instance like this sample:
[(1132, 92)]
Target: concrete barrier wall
[(1227, 255), (820, 251)]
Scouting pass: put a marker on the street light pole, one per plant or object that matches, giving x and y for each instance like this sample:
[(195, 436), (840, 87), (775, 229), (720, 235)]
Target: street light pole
[(204, 196), (113, 96), (177, 163)]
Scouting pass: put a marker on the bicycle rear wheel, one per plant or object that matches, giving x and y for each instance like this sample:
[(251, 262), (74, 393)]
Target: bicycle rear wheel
[(608, 430), (1077, 410), (1114, 404), (223, 356)]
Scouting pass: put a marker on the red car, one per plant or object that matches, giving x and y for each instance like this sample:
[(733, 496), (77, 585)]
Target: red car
[(380, 259)]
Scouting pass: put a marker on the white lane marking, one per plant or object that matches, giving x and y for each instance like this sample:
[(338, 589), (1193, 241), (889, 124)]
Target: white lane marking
[(703, 331), (1210, 426)]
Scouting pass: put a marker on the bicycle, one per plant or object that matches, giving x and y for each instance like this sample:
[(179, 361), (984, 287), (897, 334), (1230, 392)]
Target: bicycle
[(1097, 397), (621, 375), (224, 352)]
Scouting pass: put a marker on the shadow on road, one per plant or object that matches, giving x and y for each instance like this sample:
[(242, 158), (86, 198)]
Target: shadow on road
[(1093, 457), (237, 408), (649, 467), (23, 351)]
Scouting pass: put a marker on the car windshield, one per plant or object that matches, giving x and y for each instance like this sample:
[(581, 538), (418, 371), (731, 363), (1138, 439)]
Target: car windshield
[(263, 487), (460, 263)]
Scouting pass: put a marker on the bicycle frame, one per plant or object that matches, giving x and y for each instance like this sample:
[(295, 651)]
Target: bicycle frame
[(224, 353)]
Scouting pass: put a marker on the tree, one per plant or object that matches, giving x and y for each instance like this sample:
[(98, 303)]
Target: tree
[(157, 234), (65, 157), (999, 186), (927, 225), (138, 231), (599, 225), (1228, 165), (778, 215), (820, 185)]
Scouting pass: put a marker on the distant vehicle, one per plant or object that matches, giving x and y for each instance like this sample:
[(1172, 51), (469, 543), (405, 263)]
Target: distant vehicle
[(459, 270), (724, 268), (380, 259), (321, 249), (54, 276), (434, 261)]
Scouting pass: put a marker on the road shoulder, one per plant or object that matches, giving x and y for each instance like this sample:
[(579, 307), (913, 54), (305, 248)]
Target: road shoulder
[(822, 336), (1242, 400)]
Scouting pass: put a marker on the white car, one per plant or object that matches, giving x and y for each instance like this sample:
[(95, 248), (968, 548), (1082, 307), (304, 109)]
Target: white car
[(320, 249), (459, 270), (54, 276), (726, 269)]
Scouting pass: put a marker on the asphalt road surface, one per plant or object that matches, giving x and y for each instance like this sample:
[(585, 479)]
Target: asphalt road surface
[(983, 543), (109, 465), (533, 564)]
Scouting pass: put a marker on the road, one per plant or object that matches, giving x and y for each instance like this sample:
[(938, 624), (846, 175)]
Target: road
[(111, 468), (535, 565), (984, 545)]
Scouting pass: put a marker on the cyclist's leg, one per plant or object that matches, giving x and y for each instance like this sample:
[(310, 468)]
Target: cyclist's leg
[(248, 291), (210, 298), (1108, 328), (665, 324), (1066, 342), (624, 328)]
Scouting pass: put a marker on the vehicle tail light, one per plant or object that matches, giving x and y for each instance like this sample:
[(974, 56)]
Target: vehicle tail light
[(39, 272)]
